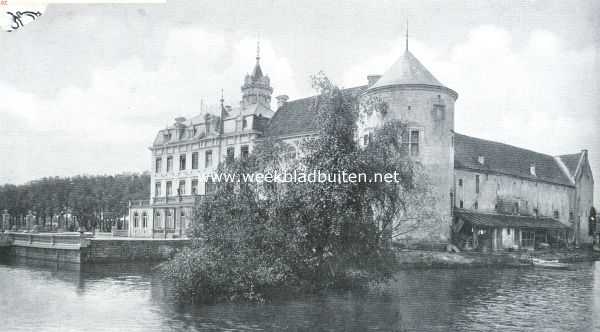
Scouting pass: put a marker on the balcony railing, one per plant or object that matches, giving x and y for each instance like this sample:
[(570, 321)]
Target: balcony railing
[(185, 199)]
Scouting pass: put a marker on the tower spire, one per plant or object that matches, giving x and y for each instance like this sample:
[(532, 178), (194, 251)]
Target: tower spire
[(407, 35)]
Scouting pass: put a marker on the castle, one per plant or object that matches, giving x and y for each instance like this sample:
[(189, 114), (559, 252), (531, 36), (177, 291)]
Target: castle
[(489, 194)]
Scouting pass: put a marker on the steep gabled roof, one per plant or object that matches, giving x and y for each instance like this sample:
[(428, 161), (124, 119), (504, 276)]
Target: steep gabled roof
[(571, 161), (298, 117), (407, 70), (506, 159)]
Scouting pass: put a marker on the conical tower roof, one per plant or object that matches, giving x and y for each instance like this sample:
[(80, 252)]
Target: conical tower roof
[(407, 70)]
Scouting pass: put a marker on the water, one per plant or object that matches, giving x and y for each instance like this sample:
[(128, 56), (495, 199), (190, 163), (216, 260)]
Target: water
[(126, 298)]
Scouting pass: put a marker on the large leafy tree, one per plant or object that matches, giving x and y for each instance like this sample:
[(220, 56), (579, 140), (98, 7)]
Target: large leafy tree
[(256, 237)]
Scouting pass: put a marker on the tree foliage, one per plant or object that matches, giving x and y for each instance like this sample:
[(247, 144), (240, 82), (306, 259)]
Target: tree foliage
[(254, 239), (85, 197)]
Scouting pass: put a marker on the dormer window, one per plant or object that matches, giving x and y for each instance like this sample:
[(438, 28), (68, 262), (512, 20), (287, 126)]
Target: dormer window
[(481, 160), (532, 169)]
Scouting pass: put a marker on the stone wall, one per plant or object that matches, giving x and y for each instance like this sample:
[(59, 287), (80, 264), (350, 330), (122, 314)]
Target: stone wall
[(121, 250), (46, 254), (509, 190)]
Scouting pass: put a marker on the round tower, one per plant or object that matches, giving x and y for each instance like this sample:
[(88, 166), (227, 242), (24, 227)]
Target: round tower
[(416, 98)]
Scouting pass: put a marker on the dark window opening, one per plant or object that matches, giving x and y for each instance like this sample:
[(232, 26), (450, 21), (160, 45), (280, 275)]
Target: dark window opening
[(182, 161), (244, 151), (230, 154), (195, 160)]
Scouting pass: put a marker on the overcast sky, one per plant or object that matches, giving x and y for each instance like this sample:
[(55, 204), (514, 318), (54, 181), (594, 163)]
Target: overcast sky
[(84, 89)]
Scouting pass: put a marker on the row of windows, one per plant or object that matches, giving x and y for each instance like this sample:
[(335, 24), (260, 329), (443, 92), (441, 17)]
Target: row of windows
[(169, 218), (208, 159), (515, 209), (181, 189), (460, 183)]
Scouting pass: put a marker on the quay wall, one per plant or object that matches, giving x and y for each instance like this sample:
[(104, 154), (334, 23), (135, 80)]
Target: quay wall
[(79, 249), (129, 250)]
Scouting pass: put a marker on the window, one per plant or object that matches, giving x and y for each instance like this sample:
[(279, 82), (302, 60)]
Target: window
[(244, 152), (460, 182), (528, 239), (290, 153), (157, 189), (244, 123), (158, 220), (516, 208), (194, 187), (366, 140), (182, 159), (210, 186), (508, 231), (195, 160), (414, 142), (461, 204), (144, 220), (136, 219), (158, 165), (439, 111), (476, 205), (169, 163), (477, 184), (230, 154), (169, 223), (181, 189), (208, 158), (169, 188), (556, 214), (194, 131)]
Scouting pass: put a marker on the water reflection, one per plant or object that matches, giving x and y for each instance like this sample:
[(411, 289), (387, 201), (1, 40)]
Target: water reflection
[(134, 298)]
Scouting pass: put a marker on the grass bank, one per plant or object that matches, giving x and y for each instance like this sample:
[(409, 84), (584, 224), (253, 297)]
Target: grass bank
[(411, 259)]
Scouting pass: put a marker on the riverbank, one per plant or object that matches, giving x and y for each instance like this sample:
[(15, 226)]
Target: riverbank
[(411, 259)]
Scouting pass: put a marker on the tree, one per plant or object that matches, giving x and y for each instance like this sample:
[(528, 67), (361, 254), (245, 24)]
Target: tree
[(252, 238)]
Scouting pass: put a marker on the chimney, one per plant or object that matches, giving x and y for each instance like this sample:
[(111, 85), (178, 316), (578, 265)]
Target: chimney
[(281, 100), (372, 79)]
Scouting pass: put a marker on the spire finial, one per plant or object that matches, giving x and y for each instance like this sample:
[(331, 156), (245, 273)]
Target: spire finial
[(407, 35), (258, 50)]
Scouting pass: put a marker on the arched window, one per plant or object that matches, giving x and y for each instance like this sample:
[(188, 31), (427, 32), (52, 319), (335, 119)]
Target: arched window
[(136, 219), (144, 220)]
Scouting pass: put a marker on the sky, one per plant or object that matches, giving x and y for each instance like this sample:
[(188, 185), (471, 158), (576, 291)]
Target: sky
[(85, 88)]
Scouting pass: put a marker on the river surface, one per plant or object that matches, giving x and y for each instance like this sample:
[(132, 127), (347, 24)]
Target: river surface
[(37, 297)]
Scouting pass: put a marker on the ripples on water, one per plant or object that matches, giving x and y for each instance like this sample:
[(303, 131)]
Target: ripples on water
[(133, 298)]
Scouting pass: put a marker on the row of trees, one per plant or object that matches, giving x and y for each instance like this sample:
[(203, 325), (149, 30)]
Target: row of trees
[(255, 240), (86, 198)]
